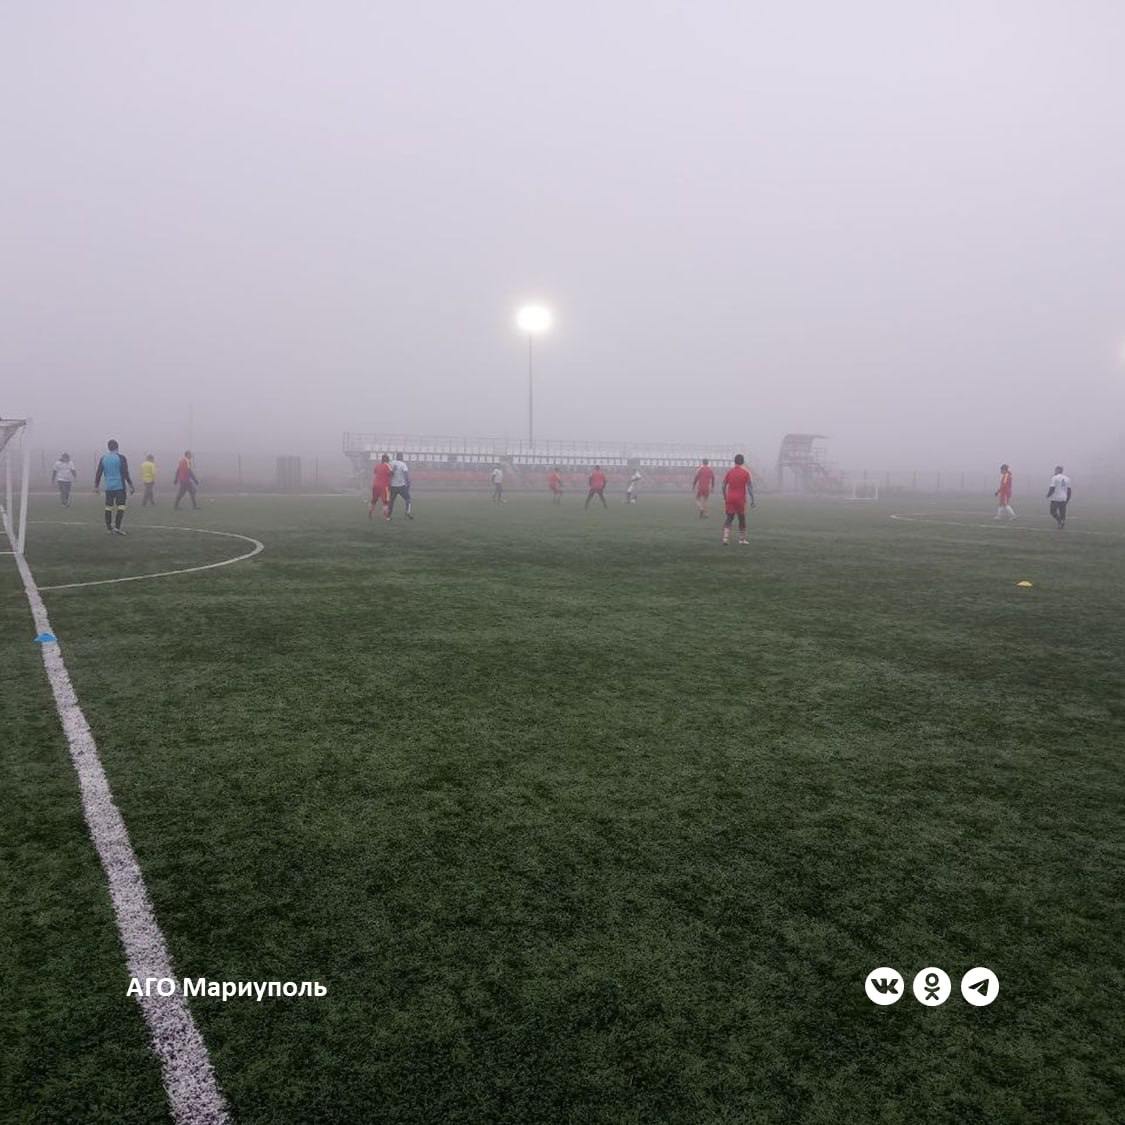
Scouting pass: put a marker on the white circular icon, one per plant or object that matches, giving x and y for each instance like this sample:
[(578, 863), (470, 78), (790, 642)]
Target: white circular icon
[(980, 986), (932, 986), (883, 986)]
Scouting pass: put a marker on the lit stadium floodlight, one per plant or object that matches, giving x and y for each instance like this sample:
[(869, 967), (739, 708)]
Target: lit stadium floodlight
[(532, 319)]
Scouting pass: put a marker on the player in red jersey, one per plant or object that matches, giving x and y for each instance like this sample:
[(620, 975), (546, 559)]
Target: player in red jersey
[(597, 486), (554, 483), (381, 487), (703, 482), (737, 485), (1004, 495)]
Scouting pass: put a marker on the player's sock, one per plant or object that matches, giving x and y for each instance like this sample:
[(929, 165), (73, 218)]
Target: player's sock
[(118, 518), (109, 519)]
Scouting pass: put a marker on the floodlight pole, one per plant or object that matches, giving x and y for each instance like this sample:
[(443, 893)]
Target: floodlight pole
[(530, 394)]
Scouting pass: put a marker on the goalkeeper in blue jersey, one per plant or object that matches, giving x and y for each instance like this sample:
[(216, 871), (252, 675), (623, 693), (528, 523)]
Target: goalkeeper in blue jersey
[(113, 467)]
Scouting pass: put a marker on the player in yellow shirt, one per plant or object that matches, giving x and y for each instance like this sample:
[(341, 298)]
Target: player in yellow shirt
[(148, 479)]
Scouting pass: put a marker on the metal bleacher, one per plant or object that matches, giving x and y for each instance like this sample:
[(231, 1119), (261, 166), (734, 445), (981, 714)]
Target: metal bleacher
[(445, 452), (465, 462)]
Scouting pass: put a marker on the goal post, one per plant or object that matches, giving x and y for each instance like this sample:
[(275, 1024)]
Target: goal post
[(15, 452), (864, 490)]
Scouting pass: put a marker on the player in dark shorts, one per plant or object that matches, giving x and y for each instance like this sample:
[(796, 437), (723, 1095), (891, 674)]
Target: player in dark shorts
[(1059, 493), (113, 468), (400, 486)]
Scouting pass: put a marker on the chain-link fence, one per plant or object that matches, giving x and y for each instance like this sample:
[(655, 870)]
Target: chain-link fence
[(217, 471), (977, 482), (221, 471)]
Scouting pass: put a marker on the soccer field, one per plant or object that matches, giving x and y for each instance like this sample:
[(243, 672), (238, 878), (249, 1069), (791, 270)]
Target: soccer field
[(580, 816)]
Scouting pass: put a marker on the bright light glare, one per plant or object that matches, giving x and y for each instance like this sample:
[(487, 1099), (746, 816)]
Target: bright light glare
[(534, 318)]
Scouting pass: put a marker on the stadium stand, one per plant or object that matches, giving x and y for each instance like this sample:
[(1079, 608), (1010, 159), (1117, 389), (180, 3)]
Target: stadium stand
[(465, 463)]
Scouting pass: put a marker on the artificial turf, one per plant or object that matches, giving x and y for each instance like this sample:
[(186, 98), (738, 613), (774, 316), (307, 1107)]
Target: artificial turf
[(581, 816)]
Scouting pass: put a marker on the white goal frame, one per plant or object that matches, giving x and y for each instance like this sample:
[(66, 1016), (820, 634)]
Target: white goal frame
[(15, 452), (866, 490)]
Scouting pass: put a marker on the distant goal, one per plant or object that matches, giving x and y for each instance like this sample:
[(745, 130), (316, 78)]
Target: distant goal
[(15, 465), (863, 490)]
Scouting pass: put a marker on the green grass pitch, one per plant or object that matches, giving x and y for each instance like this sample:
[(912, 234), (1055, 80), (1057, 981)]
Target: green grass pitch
[(580, 816)]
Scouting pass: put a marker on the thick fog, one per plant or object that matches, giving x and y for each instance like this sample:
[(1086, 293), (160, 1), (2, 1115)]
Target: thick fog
[(254, 225)]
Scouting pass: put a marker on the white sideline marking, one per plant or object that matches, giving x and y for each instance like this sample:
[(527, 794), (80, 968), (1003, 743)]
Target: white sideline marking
[(189, 1080), (1014, 525), (258, 548)]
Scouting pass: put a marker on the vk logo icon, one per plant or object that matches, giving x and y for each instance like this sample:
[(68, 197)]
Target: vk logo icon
[(883, 986)]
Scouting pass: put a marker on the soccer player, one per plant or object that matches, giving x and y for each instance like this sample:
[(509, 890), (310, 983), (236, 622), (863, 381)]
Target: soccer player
[(64, 474), (554, 483), (381, 487), (737, 485), (631, 488), (114, 468), (187, 480), (400, 486), (497, 485), (1059, 494), (148, 479), (1004, 495), (703, 482), (597, 487)]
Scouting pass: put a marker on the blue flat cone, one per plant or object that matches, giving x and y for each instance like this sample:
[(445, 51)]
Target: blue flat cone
[(46, 639)]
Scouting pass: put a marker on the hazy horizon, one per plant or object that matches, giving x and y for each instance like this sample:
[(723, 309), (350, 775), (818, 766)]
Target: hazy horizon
[(896, 225)]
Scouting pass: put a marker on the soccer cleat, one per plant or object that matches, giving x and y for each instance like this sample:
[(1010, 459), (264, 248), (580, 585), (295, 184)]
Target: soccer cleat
[(118, 531), (744, 542)]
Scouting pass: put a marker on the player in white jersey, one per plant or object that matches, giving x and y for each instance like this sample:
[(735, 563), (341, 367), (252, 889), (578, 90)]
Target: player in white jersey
[(64, 474), (631, 489), (1058, 492), (400, 486), (497, 485)]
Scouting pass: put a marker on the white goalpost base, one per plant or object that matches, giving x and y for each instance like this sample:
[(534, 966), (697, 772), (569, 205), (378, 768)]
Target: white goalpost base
[(15, 450)]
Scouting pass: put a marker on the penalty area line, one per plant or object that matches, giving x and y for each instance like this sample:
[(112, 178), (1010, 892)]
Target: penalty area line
[(257, 548), (193, 1093), (1007, 525)]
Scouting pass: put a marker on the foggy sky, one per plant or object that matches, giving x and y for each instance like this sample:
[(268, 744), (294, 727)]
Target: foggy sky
[(900, 224)]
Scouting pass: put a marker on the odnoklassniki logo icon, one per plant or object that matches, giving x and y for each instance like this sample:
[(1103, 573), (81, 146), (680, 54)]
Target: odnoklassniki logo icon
[(932, 986)]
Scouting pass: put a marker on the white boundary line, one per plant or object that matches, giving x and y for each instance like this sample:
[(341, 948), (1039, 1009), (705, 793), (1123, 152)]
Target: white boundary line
[(194, 1097), (1009, 524), (258, 548)]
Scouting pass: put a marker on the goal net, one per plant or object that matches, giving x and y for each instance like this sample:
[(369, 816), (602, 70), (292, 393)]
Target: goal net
[(15, 465), (864, 490)]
